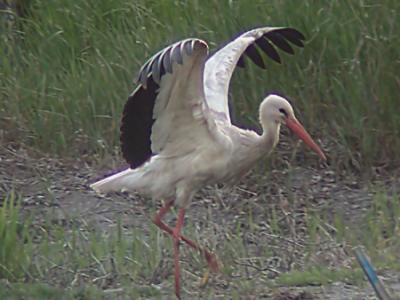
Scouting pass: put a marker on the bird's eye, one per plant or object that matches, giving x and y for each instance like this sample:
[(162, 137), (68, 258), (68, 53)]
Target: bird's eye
[(282, 111)]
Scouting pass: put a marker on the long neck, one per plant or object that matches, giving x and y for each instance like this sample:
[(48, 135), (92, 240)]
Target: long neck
[(248, 148), (270, 135)]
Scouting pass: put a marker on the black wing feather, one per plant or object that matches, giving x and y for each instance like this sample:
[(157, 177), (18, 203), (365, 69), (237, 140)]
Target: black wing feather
[(137, 121), (268, 49), (292, 35), (279, 40), (255, 56), (176, 54), (188, 46), (137, 118), (241, 63), (279, 37), (162, 61), (158, 69), (167, 61)]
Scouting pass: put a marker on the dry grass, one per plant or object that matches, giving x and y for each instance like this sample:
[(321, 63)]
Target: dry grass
[(272, 235)]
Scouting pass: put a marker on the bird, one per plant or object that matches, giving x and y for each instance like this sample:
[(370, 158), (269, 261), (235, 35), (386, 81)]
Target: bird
[(176, 132)]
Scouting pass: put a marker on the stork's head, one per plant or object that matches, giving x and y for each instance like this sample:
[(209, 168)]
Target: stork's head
[(276, 109)]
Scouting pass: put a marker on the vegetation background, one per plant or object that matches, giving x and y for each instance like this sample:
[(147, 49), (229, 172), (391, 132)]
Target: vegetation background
[(66, 68)]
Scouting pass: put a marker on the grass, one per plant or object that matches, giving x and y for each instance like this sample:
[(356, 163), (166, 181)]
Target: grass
[(14, 240), (382, 231), (48, 259), (78, 260), (320, 276), (19, 291), (378, 232), (67, 69)]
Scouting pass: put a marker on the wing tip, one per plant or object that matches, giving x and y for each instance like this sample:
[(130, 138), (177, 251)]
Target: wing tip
[(161, 63), (281, 38)]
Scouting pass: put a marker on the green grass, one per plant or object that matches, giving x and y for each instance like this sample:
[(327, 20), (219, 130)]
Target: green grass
[(68, 69), (18, 291), (47, 260), (79, 260), (14, 240), (381, 230), (378, 233), (320, 276)]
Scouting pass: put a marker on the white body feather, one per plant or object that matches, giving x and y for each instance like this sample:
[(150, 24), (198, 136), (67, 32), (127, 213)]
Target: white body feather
[(192, 136)]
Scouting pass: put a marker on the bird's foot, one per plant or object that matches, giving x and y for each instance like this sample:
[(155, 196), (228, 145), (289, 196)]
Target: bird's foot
[(204, 279), (213, 263)]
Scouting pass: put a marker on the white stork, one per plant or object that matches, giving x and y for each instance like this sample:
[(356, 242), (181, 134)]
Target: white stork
[(176, 131)]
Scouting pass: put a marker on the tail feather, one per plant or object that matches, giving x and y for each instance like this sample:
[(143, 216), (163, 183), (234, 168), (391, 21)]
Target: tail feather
[(118, 182)]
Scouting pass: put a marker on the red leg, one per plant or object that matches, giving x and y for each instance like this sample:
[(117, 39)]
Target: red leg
[(176, 235), (158, 221), (210, 257)]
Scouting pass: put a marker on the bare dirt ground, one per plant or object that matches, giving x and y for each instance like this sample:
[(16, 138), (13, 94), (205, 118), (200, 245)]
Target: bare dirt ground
[(60, 189)]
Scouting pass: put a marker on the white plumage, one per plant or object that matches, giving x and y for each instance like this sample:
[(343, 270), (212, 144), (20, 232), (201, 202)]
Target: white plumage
[(176, 131)]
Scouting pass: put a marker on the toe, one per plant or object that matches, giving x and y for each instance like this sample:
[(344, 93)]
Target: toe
[(204, 279)]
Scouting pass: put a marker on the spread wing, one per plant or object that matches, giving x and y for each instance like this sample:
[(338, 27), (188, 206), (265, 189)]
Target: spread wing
[(167, 112), (220, 66)]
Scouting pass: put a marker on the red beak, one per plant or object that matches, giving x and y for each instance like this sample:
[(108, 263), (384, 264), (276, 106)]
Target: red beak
[(299, 130)]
